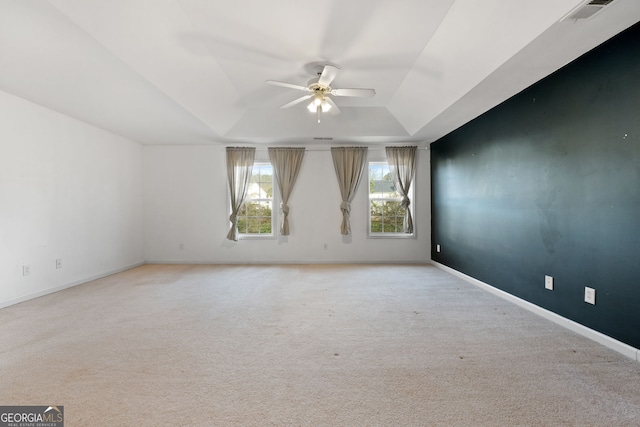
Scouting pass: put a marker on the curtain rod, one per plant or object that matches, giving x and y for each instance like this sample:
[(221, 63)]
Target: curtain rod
[(329, 148)]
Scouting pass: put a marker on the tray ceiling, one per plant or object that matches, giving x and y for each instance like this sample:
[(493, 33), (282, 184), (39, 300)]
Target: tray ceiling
[(194, 71)]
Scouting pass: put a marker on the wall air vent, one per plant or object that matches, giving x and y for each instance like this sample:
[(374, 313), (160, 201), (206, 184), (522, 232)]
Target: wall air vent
[(586, 10)]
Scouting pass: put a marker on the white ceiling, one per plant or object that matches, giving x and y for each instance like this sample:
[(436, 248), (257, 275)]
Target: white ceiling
[(194, 71)]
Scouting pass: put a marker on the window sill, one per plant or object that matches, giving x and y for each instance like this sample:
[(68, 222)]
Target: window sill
[(391, 236), (257, 237)]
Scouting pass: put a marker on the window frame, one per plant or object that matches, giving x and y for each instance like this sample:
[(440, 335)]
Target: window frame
[(274, 207), (389, 235)]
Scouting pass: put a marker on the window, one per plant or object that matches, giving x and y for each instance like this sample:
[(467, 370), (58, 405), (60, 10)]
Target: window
[(256, 214), (385, 211)]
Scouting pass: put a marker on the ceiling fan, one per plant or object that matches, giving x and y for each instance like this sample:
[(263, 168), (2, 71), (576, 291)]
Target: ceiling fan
[(319, 90)]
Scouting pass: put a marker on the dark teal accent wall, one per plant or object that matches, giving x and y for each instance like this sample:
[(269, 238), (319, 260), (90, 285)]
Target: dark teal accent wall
[(548, 182)]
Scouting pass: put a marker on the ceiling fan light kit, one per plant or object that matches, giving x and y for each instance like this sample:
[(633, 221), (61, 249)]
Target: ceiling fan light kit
[(317, 104), (319, 101), (320, 89)]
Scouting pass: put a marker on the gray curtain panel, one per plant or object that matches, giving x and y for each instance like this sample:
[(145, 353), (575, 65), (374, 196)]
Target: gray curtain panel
[(402, 165), (239, 167), (286, 165), (349, 163)]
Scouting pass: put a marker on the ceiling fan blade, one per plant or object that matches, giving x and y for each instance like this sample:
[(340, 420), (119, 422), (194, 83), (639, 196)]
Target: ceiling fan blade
[(296, 101), (334, 108), (362, 93), (288, 85), (329, 72)]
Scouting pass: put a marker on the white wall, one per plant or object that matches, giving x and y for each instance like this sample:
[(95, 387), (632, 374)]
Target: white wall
[(103, 203), (68, 190), (186, 203)]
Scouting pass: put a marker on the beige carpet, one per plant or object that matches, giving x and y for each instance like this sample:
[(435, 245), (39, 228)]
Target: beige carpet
[(319, 345)]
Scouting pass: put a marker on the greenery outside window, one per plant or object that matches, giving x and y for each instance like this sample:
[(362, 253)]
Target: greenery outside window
[(385, 211), (256, 218)]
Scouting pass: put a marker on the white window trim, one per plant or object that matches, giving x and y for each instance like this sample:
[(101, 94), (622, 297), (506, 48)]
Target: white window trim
[(371, 235), (275, 208)]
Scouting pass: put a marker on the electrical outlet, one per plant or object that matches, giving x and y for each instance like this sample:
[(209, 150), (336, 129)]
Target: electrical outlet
[(548, 282), (58, 263), (590, 295), (26, 270)]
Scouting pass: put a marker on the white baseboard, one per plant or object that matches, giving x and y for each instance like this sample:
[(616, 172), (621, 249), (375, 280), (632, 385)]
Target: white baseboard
[(284, 262), (607, 341), (48, 291)]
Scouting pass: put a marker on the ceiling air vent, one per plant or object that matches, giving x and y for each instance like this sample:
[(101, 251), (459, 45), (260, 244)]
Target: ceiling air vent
[(586, 10), (323, 138)]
